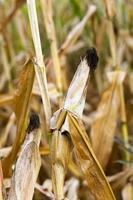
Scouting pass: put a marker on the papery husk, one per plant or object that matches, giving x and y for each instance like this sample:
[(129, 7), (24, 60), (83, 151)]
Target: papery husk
[(26, 168)]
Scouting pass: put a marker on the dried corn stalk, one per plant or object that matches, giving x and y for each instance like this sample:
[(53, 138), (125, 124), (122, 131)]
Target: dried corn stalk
[(105, 121), (28, 164), (49, 24), (39, 64)]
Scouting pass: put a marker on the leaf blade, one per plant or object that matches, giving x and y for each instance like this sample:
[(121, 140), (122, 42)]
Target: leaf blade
[(90, 167)]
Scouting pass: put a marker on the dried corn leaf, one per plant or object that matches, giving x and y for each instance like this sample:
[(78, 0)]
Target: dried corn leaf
[(76, 31), (104, 124), (23, 93), (21, 103), (90, 167), (27, 168)]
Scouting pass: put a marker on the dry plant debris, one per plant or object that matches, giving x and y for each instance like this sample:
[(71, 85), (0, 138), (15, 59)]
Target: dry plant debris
[(66, 128)]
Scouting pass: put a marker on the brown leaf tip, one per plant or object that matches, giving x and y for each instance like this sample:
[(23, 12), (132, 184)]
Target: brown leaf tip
[(92, 58), (34, 122)]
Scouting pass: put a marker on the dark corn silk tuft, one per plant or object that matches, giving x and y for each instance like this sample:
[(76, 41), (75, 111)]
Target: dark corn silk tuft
[(92, 58), (34, 122)]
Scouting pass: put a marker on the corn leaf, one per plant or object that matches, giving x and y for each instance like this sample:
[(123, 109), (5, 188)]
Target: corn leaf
[(105, 121), (90, 167), (21, 104)]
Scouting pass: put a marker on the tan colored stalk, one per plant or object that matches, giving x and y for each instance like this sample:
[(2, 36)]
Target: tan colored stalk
[(39, 64), (49, 24)]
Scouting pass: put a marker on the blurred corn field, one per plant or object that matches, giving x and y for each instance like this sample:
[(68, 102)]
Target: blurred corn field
[(66, 100)]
